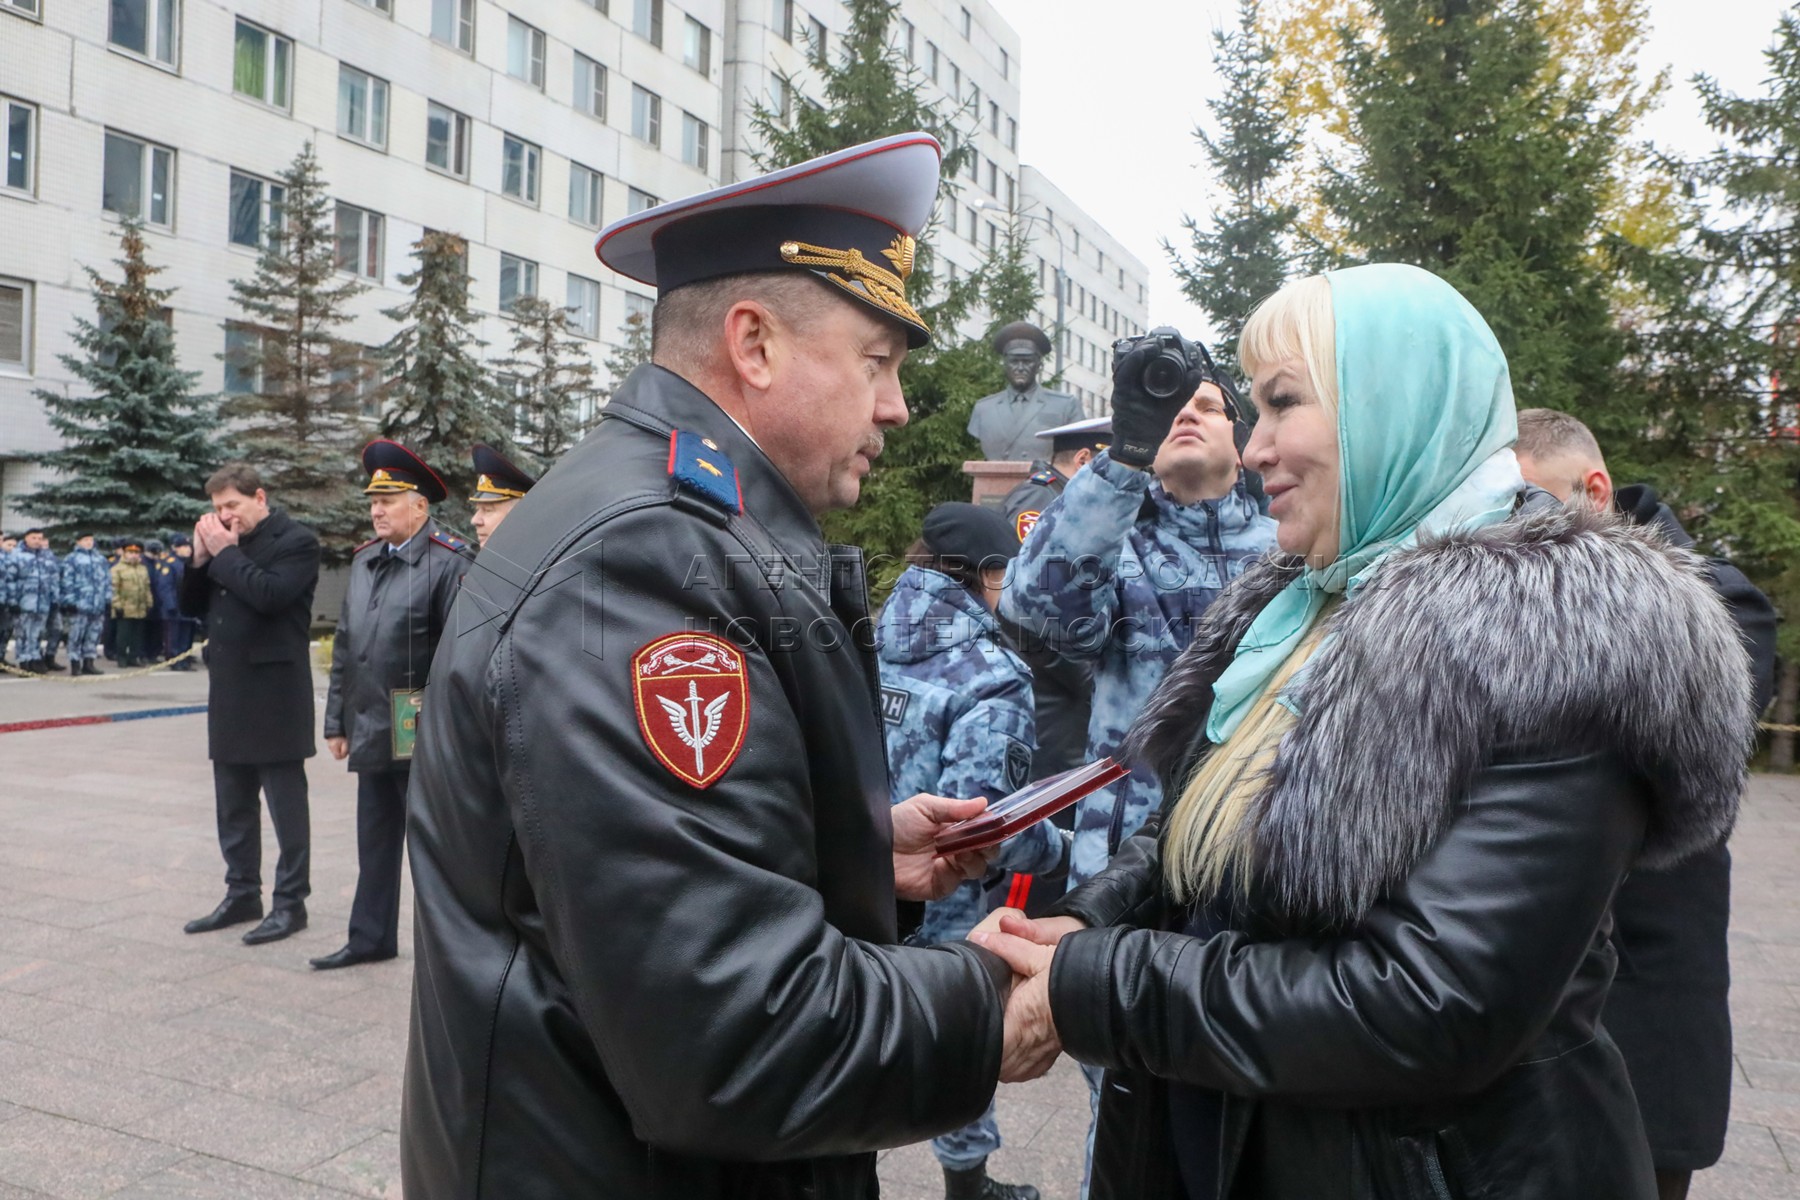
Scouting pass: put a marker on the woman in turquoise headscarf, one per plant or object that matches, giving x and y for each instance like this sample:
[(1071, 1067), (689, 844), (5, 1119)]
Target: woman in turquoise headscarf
[(1363, 952)]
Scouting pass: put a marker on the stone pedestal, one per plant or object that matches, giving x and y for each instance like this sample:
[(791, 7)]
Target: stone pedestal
[(993, 480)]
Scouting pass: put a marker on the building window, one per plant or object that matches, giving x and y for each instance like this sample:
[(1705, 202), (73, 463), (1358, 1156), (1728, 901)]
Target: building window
[(643, 308), (1012, 134), (696, 140), (138, 179), (259, 68), (28, 7), (993, 237), (781, 16), (447, 140), (974, 226), (1012, 193), (584, 307), (359, 241), (993, 179), (816, 40), (584, 195), (255, 216), (994, 118), (453, 23), (145, 27), (1005, 65), (931, 60), (518, 277), (974, 168), (965, 22), (362, 107), (647, 20), (955, 82), (384, 6), (646, 116), (520, 165), (637, 201), (908, 38), (15, 324), (696, 48), (781, 99), (18, 128), (524, 52), (590, 86), (243, 359)]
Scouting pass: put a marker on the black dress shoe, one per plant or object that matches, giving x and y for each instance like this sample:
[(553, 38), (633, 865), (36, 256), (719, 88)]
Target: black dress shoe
[(232, 910), (348, 957), (277, 925)]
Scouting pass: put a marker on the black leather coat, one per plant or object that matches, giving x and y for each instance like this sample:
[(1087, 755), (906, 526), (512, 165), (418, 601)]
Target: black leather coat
[(257, 598), (628, 985), (1403, 1001), (396, 610)]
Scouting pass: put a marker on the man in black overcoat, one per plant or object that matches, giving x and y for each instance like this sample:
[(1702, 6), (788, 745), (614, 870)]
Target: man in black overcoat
[(1669, 1010), (252, 577)]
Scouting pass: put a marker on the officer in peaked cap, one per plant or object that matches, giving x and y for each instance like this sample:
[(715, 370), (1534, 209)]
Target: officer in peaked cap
[(655, 866), (1004, 423), (498, 486), (402, 582)]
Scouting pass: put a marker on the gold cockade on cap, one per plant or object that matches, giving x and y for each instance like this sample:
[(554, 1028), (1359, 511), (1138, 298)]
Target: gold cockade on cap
[(871, 281)]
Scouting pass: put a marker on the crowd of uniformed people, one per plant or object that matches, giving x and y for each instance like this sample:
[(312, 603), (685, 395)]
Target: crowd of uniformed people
[(106, 597)]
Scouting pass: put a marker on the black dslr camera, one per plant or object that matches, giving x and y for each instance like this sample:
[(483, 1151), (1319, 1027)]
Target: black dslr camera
[(1166, 372)]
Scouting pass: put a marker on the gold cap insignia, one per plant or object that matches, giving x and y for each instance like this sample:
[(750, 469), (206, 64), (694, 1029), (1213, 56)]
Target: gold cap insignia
[(381, 476), (856, 274)]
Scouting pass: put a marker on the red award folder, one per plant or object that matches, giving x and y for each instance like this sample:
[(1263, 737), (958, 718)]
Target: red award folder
[(1027, 806)]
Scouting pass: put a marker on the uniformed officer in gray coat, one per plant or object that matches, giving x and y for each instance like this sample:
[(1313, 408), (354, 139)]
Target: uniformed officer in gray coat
[(402, 584), (1006, 423)]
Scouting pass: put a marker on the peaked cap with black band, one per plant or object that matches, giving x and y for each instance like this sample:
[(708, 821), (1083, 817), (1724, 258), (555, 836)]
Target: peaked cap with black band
[(849, 218), (1021, 331), (1094, 433), (394, 468), (497, 478)]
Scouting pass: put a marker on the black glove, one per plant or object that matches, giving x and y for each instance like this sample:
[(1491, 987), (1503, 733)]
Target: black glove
[(1140, 421)]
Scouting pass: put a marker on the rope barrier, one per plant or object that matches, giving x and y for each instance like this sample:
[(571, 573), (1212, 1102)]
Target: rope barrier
[(61, 674), (1778, 728)]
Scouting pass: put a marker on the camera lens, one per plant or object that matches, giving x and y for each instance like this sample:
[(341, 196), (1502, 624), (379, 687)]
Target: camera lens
[(1164, 375)]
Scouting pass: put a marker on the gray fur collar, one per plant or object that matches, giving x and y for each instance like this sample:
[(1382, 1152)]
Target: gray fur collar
[(1561, 629)]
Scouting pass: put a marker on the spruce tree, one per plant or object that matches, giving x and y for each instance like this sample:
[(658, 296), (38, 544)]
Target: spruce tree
[(1242, 255), (1476, 156), (301, 425), (1009, 287), (554, 380), (439, 399), (631, 352), (137, 446)]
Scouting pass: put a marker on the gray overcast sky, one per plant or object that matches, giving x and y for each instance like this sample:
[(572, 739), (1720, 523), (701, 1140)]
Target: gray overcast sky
[(1112, 94)]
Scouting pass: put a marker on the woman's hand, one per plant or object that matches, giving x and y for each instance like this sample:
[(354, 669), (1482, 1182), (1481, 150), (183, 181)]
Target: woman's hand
[(1029, 1044), (1045, 931)]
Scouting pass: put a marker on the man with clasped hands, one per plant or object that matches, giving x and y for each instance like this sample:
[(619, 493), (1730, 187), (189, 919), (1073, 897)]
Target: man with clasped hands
[(652, 850)]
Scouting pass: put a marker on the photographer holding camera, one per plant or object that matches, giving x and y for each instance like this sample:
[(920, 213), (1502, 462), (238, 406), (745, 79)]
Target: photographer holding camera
[(1119, 568)]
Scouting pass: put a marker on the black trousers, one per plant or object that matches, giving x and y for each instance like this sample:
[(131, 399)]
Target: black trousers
[(236, 787), (129, 635), (380, 845)]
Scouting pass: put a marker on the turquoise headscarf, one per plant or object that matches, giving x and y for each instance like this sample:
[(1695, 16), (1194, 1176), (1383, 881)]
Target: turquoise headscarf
[(1425, 432)]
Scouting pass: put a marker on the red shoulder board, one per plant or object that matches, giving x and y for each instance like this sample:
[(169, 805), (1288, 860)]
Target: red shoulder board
[(365, 545), (692, 693), (1025, 522), (450, 541)]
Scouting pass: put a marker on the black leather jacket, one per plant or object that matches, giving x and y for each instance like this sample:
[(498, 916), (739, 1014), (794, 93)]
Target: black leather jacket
[(396, 610), (628, 985)]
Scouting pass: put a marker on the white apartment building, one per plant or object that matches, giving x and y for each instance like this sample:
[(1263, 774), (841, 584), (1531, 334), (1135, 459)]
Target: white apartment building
[(523, 125)]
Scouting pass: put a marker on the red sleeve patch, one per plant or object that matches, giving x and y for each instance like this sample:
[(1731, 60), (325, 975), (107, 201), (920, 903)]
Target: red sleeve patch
[(692, 693)]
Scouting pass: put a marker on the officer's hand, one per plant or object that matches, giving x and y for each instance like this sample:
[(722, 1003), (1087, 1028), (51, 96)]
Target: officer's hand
[(340, 747), (202, 550), (1141, 421), (920, 873)]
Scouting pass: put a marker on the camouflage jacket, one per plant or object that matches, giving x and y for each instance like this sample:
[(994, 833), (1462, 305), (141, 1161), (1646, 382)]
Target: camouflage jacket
[(86, 584), (957, 712), (1118, 573), (131, 590), (34, 580)]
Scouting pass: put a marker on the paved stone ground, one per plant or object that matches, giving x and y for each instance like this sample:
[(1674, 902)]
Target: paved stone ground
[(138, 1062)]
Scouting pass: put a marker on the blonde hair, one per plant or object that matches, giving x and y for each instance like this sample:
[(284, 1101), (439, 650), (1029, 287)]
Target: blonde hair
[(1209, 837), (1296, 323)]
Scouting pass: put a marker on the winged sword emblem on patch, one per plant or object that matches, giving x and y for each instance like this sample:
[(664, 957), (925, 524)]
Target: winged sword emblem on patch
[(697, 734)]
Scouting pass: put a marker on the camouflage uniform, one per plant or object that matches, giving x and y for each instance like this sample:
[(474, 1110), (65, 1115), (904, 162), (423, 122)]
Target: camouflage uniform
[(1062, 686), (9, 599), (1116, 573), (37, 578), (87, 591), (956, 706)]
